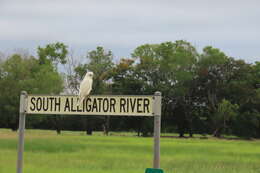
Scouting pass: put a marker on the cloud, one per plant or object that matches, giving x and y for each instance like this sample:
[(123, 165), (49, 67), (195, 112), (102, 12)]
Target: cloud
[(123, 25)]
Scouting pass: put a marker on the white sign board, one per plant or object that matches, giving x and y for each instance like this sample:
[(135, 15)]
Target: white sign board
[(93, 105)]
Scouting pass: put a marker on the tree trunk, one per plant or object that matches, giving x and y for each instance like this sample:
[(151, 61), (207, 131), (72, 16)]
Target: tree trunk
[(58, 131), (216, 133), (190, 121), (181, 134), (57, 122), (89, 131), (88, 126), (138, 132), (106, 125), (190, 133)]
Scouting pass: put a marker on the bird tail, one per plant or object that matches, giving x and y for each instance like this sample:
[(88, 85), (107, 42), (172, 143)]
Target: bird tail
[(80, 99)]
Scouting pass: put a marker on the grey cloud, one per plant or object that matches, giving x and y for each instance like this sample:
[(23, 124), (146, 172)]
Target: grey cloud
[(123, 25)]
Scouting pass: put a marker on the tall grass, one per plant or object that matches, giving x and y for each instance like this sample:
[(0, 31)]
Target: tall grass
[(73, 152)]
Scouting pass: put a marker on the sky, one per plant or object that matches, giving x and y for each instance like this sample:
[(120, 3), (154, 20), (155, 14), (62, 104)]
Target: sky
[(233, 26)]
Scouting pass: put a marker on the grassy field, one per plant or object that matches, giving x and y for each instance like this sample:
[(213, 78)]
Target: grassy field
[(73, 152)]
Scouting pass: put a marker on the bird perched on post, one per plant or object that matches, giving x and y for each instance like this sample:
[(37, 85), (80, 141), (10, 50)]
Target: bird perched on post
[(85, 86)]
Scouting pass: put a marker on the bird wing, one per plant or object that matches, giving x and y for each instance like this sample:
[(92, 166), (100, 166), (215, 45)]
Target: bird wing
[(85, 88)]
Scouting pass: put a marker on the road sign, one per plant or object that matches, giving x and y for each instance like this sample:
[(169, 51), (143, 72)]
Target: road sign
[(93, 105)]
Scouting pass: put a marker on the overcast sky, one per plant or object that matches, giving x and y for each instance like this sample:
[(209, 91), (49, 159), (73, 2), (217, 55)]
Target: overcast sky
[(121, 25)]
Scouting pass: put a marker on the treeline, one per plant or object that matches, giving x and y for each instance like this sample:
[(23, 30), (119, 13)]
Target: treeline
[(204, 93)]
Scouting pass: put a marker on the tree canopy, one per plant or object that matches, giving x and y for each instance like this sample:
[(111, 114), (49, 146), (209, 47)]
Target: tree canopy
[(204, 92)]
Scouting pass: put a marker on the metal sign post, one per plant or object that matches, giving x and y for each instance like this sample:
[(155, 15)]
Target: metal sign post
[(157, 129), (22, 115)]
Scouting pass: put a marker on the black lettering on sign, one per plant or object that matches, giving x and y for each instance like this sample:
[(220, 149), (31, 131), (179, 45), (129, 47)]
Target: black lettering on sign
[(99, 104), (78, 106), (32, 107), (105, 105), (51, 99), (132, 104), (39, 104), (57, 104), (88, 105), (112, 104), (146, 105), (73, 109), (45, 103), (67, 105), (139, 105), (94, 106), (122, 104), (127, 105)]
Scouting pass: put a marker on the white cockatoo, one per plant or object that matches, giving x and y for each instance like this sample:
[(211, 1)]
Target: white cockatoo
[(85, 86)]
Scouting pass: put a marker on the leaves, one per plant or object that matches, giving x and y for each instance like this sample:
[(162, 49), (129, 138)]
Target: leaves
[(208, 92), (25, 73), (54, 53)]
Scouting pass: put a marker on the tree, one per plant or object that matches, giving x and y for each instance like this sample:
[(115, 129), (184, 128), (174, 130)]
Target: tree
[(169, 67), (100, 63), (213, 74), (225, 112), (71, 78), (125, 81), (24, 73), (247, 94), (124, 78), (55, 53)]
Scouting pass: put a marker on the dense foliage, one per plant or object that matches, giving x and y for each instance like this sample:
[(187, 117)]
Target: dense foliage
[(206, 93)]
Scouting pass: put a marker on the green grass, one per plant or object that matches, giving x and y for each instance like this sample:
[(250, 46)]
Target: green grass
[(73, 152)]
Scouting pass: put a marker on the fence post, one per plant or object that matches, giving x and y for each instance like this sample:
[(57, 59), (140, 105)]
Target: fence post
[(157, 129), (22, 114)]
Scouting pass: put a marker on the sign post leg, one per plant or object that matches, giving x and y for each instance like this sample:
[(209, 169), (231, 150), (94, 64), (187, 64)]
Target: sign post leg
[(157, 129), (22, 114)]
